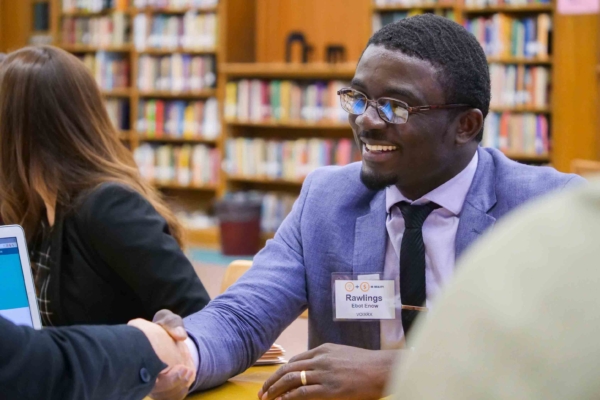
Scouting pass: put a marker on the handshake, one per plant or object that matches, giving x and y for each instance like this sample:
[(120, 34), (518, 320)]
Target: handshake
[(167, 337)]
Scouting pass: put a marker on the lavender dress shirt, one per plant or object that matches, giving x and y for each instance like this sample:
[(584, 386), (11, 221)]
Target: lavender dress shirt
[(439, 235)]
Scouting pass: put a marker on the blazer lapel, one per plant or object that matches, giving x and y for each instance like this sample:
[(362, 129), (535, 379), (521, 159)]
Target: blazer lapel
[(369, 256), (481, 198)]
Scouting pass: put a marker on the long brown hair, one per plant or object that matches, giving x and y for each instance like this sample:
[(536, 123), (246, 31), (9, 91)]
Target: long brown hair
[(57, 140)]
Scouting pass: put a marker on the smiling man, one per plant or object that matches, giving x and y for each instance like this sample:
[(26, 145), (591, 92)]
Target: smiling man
[(367, 247)]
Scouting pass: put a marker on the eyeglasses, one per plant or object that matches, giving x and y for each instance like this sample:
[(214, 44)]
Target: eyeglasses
[(390, 110)]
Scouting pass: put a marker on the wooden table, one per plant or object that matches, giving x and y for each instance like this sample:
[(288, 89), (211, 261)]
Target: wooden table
[(242, 387)]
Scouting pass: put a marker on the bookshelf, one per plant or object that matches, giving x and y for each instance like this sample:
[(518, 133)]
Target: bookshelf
[(296, 139), (252, 48), (140, 39)]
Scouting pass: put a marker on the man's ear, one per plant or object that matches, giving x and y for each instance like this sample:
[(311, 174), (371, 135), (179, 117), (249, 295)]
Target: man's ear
[(470, 123)]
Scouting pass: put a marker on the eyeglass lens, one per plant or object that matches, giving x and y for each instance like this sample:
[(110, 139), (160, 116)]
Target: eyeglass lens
[(389, 110)]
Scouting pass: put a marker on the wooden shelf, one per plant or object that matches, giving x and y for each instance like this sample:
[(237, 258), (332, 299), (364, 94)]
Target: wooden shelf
[(526, 8), (527, 157), (423, 6), (82, 48), (289, 71), (520, 60), (119, 92), (264, 180), (173, 10), (176, 186), (202, 94), (290, 124), (212, 142), (535, 110), (178, 50)]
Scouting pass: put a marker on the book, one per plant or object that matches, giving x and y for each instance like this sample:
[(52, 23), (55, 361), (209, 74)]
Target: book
[(502, 35), (191, 31), (525, 86), (111, 70), (284, 101), (195, 4), (288, 159), (41, 16), (176, 73), (178, 119), (118, 112), (94, 5), (522, 133), (99, 31), (182, 165)]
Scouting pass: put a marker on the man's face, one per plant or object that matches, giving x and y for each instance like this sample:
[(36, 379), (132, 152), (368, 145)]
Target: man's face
[(422, 147)]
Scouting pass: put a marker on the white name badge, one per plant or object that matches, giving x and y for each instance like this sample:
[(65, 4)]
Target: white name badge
[(364, 299)]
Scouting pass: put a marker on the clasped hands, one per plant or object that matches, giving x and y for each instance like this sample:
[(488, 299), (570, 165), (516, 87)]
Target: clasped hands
[(167, 335), (331, 371)]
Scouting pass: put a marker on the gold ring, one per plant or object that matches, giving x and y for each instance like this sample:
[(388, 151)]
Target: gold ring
[(303, 378)]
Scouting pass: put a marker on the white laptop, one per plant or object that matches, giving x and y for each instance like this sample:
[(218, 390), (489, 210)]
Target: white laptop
[(17, 291)]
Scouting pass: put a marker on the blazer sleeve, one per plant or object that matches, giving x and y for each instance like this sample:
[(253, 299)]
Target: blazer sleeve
[(237, 327), (76, 363), (129, 236)]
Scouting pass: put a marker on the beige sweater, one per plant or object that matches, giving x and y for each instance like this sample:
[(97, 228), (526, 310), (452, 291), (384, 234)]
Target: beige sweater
[(521, 320)]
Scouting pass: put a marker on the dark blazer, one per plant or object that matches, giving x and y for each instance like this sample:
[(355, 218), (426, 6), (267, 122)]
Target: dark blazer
[(113, 259), (75, 363)]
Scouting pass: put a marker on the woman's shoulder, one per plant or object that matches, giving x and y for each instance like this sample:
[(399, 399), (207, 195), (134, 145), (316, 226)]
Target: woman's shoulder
[(105, 191), (108, 199)]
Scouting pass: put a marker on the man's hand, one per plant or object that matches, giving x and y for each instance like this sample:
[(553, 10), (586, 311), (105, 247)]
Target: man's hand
[(173, 382), (172, 323), (332, 372)]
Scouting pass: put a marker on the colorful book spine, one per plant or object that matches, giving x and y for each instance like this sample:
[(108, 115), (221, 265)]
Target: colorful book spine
[(178, 119), (505, 36), (519, 85), (118, 111), (94, 5), (192, 31), (284, 101), (176, 73), (104, 31), (111, 70), (517, 133), (184, 165), (289, 160), (196, 4)]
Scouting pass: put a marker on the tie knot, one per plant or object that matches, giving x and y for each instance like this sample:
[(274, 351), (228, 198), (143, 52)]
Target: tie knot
[(415, 215)]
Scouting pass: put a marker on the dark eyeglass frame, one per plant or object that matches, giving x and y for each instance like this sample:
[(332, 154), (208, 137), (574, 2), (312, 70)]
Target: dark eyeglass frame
[(376, 105)]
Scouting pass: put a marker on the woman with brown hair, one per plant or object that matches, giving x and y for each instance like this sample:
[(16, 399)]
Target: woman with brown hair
[(104, 247)]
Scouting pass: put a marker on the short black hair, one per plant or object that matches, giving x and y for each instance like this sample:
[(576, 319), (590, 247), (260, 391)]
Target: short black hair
[(464, 72)]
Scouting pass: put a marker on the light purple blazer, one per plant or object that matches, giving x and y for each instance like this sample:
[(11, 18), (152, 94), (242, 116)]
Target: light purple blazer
[(337, 225)]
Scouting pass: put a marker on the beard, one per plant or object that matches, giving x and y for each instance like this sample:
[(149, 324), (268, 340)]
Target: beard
[(376, 181)]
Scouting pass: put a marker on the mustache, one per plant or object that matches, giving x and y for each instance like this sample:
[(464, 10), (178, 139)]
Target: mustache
[(374, 135)]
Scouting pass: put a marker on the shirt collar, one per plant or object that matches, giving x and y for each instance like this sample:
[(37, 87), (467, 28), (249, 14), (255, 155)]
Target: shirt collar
[(451, 195)]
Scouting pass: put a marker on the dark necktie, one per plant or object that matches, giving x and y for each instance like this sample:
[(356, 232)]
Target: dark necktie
[(412, 260)]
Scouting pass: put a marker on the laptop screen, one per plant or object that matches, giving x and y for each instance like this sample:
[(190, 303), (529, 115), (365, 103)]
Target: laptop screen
[(14, 305)]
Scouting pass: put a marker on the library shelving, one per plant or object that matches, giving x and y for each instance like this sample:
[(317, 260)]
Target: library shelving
[(234, 55), (154, 33), (299, 125), (520, 60)]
